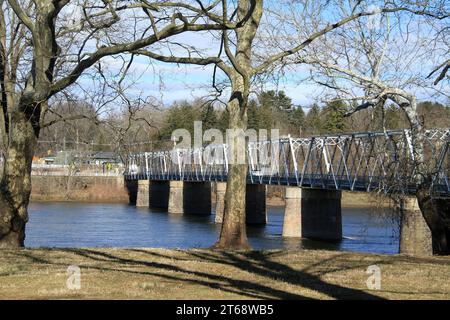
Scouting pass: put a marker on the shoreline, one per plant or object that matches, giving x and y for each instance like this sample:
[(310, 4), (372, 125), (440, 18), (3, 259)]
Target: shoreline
[(271, 202)]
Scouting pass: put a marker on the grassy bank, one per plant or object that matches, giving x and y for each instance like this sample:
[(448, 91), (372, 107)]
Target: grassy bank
[(201, 274)]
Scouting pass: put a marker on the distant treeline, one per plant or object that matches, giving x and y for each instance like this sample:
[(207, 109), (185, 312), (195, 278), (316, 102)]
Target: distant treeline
[(275, 110), (143, 129)]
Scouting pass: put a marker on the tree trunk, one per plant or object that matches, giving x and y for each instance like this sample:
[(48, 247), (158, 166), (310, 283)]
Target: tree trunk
[(435, 211), (233, 234), (16, 180)]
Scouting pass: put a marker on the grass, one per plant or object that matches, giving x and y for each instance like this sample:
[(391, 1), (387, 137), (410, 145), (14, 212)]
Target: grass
[(203, 274)]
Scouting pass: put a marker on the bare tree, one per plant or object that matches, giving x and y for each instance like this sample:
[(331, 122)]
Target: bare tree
[(45, 47), (374, 64)]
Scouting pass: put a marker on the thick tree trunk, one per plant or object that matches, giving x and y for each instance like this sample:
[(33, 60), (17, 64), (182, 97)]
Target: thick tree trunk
[(435, 211), (233, 234), (16, 181)]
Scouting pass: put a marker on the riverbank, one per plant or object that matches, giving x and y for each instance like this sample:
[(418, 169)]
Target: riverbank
[(89, 189), (203, 274)]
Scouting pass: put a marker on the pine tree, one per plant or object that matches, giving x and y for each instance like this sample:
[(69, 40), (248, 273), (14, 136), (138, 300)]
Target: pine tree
[(313, 121), (254, 121), (209, 117), (180, 116), (275, 109), (296, 120), (334, 117), (275, 100), (223, 122)]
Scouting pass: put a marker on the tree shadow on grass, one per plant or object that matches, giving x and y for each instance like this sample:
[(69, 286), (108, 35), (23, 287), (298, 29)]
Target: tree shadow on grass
[(259, 263), (254, 262), (227, 284)]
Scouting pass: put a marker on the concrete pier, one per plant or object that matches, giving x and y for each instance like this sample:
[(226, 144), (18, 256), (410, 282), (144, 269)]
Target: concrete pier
[(176, 197), (197, 198), (415, 235), (143, 193), (292, 224), (321, 216), (312, 213), (255, 201), (221, 188), (159, 194), (190, 198)]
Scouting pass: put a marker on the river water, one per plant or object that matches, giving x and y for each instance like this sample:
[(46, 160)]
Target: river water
[(118, 225)]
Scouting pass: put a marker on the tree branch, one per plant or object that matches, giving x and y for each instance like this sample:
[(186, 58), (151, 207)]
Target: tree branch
[(22, 15), (185, 60), (445, 67), (168, 31), (262, 67)]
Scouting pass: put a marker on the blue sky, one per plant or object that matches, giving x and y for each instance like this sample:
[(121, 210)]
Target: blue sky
[(187, 82)]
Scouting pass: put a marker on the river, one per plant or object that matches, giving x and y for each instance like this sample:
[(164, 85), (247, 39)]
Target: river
[(65, 225)]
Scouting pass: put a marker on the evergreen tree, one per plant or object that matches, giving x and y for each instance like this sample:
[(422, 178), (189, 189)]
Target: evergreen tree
[(296, 120), (223, 122), (180, 116), (334, 117), (209, 117), (313, 122), (266, 117), (254, 116), (275, 100), (275, 108)]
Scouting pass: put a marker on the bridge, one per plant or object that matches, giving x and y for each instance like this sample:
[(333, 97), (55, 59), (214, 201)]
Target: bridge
[(314, 170), (380, 161)]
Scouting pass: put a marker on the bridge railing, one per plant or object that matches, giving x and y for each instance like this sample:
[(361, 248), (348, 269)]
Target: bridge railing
[(358, 161)]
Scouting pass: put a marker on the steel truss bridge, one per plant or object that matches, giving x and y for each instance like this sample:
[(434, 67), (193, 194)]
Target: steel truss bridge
[(368, 161)]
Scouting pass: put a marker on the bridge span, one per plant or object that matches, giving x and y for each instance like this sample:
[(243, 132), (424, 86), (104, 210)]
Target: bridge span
[(381, 161), (314, 170)]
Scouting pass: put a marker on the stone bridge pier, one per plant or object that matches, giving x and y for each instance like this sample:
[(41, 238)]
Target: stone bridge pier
[(153, 193), (415, 235), (255, 203), (312, 213), (177, 197), (143, 193), (190, 198)]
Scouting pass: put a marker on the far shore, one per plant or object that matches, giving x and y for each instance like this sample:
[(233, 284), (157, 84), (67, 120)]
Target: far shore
[(349, 200)]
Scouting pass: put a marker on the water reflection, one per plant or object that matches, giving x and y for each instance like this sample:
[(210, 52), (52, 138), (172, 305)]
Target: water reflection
[(118, 225)]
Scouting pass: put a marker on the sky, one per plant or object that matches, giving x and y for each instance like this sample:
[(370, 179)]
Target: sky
[(168, 82), (187, 82)]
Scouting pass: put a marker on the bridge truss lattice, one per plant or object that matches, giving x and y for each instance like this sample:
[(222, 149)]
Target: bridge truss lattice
[(368, 161)]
